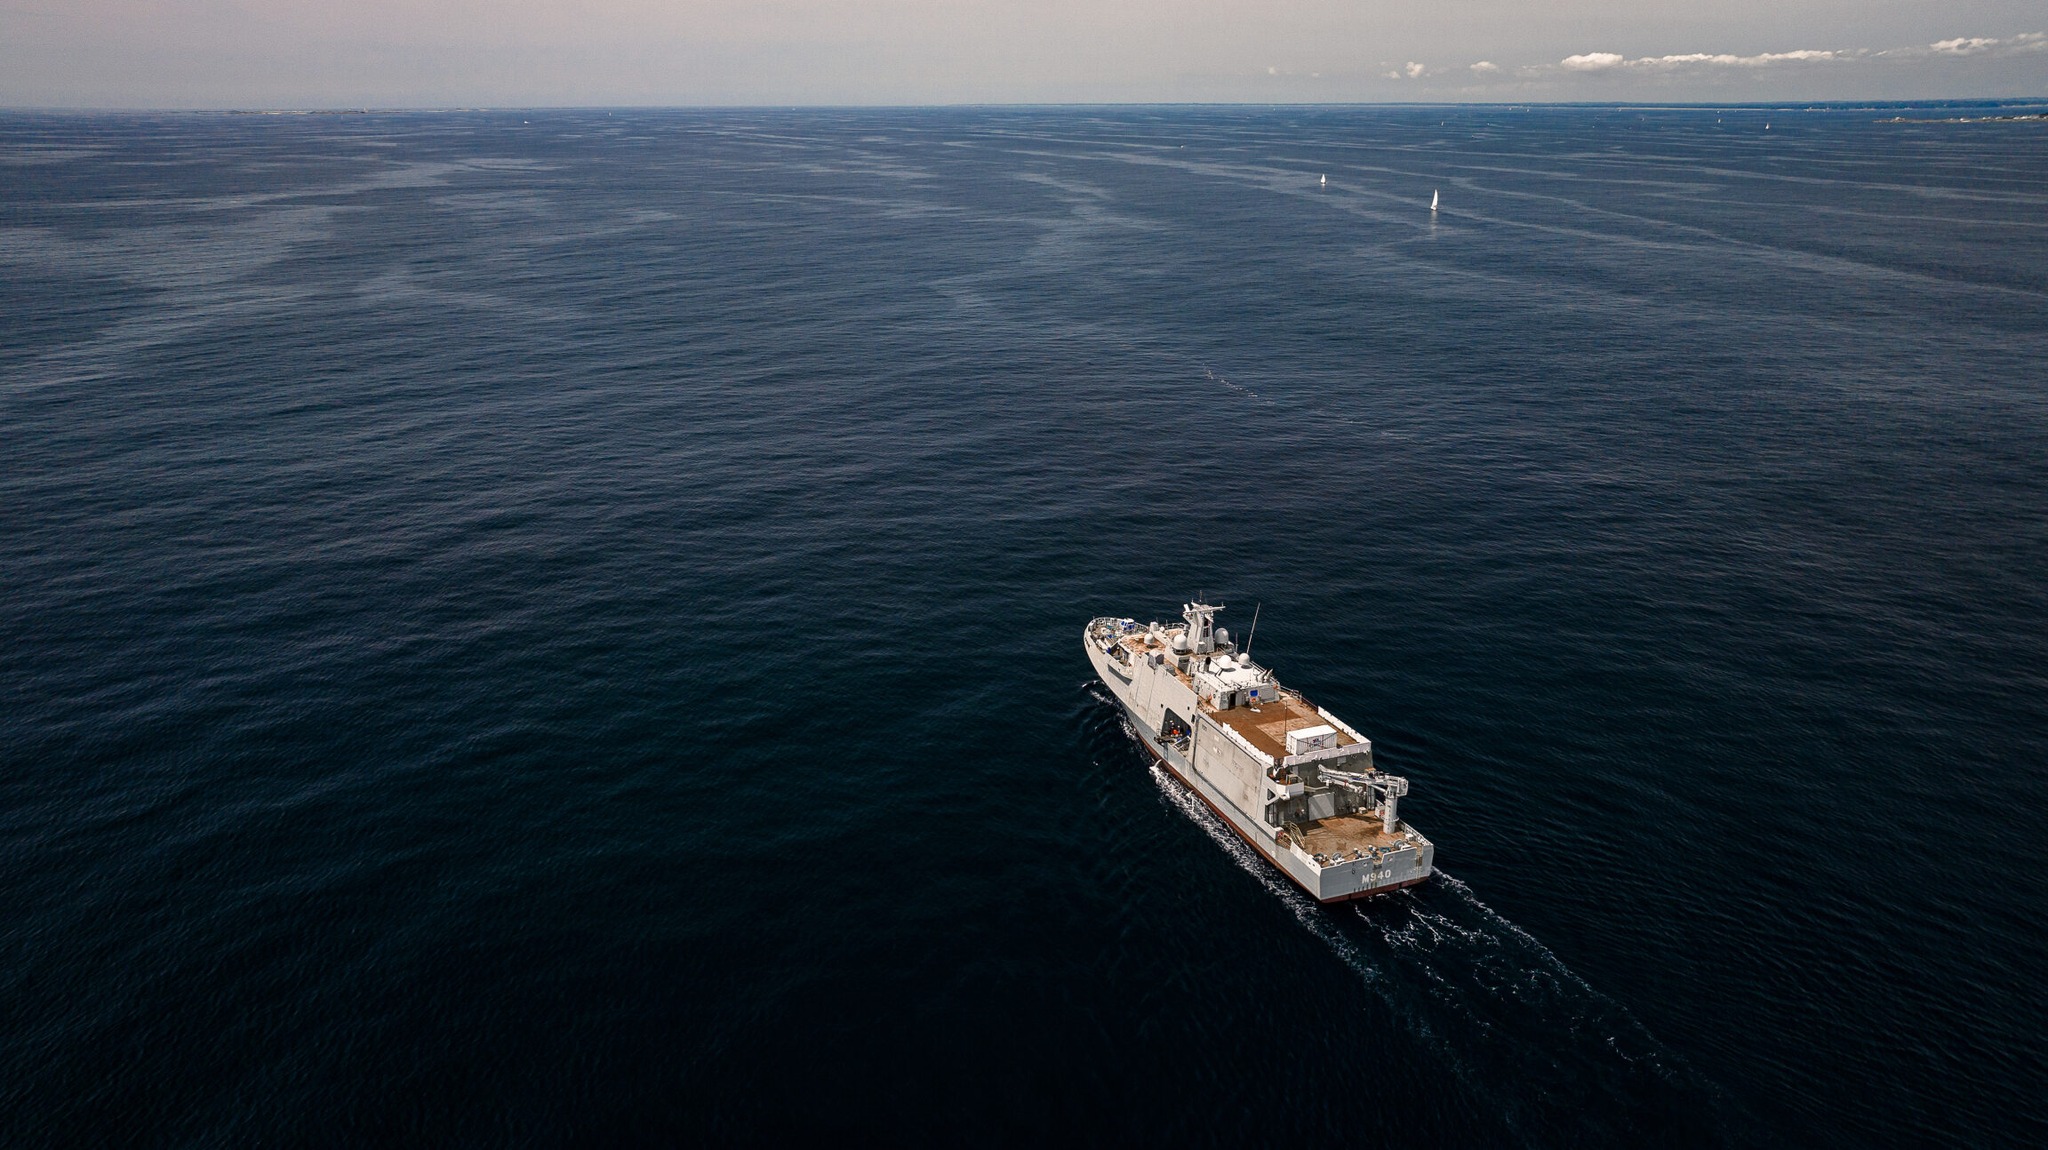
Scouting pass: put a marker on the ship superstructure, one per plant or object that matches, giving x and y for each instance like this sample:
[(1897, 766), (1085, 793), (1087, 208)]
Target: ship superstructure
[(1293, 780)]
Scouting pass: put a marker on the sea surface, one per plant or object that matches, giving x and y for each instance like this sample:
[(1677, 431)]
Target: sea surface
[(564, 627)]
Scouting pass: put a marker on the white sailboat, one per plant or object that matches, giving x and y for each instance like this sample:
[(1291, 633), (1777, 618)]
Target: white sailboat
[(1324, 182), (1432, 199)]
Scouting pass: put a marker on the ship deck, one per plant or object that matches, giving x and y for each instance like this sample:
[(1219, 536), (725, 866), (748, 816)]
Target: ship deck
[(1342, 834), (1266, 725)]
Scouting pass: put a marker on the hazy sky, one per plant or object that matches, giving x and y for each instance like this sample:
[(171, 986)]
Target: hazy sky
[(302, 53)]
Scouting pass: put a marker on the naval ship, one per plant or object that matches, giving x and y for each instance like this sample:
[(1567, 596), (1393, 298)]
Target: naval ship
[(1290, 778)]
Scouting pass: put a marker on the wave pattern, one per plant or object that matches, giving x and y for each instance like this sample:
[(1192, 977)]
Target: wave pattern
[(561, 627)]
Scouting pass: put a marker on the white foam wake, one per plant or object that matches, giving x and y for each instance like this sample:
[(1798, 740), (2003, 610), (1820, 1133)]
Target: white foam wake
[(1481, 993)]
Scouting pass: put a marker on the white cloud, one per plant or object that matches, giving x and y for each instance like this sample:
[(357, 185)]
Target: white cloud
[(1758, 60), (1700, 66), (1724, 60), (1594, 61), (1600, 61), (1805, 65), (1796, 66), (1974, 46)]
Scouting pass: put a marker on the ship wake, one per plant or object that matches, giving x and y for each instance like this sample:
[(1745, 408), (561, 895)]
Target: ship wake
[(1529, 1038)]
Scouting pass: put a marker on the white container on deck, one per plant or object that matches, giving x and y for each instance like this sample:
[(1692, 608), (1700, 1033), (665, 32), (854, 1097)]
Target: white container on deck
[(1311, 739)]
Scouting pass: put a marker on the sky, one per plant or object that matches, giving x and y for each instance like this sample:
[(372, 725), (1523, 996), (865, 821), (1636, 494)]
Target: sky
[(545, 53)]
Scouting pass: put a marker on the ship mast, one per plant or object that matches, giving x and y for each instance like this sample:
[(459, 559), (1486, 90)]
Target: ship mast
[(1201, 619)]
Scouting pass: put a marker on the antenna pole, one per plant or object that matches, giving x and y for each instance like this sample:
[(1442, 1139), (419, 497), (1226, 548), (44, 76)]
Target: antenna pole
[(1255, 630)]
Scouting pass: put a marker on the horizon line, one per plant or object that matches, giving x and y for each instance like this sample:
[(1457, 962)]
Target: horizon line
[(354, 109)]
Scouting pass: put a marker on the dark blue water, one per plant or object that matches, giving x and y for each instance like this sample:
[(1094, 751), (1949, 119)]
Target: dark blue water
[(559, 628)]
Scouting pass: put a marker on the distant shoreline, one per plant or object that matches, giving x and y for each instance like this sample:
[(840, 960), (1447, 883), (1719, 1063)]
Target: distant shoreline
[(1964, 119)]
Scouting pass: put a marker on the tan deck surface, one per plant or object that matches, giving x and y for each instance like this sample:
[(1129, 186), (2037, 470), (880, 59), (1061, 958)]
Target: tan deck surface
[(1345, 833), (1266, 728)]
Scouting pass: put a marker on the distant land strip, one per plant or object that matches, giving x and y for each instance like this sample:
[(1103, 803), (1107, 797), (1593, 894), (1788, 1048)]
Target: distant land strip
[(1963, 119)]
